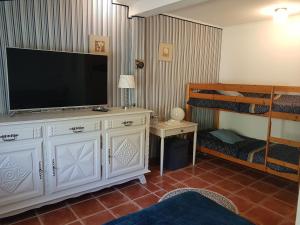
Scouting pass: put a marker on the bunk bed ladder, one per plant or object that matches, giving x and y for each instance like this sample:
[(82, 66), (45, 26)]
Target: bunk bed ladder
[(271, 139), (299, 171)]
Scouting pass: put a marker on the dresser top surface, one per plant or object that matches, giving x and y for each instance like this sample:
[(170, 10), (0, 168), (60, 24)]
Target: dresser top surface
[(33, 117)]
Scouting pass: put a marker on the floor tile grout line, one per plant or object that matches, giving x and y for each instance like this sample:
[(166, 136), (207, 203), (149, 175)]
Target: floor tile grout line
[(93, 214), (270, 195), (123, 194), (126, 185), (73, 211), (129, 201), (154, 185), (258, 204), (279, 189), (281, 201), (40, 220), (245, 186), (29, 217), (51, 210), (251, 186), (110, 209), (95, 196), (106, 208), (135, 198), (149, 194), (78, 220)]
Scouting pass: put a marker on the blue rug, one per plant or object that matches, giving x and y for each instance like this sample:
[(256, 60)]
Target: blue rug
[(189, 208)]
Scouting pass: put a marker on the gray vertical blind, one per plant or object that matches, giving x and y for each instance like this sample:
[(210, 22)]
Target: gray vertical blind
[(138, 52), (65, 25), (196, 59)]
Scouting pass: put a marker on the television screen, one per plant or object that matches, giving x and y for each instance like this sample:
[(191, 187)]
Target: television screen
[(48, 79)]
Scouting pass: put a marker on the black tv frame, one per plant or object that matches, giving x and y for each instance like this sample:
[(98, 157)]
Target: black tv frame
[(45, 109)]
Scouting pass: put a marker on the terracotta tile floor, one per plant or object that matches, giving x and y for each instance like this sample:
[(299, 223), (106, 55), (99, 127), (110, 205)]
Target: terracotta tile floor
[(262, 198)]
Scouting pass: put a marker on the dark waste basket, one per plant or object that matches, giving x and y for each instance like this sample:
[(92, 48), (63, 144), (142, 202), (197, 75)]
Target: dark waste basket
[(176, 153)]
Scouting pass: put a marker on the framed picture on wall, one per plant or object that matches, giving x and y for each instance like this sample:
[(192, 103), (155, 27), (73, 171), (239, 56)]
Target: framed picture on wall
[(98, 45), (165, 52)]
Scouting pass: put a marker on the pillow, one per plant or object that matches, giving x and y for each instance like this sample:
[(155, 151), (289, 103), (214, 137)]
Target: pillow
[(227, 136), (208, 92), (277, 97), (230, 93)]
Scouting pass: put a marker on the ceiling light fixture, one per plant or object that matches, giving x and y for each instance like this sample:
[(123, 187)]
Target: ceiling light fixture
[(280, 15)]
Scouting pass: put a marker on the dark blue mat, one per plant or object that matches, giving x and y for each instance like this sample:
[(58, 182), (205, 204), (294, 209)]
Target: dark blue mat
[(189, 208)]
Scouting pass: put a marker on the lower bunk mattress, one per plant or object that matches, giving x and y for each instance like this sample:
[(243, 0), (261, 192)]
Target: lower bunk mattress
[(252, 150)]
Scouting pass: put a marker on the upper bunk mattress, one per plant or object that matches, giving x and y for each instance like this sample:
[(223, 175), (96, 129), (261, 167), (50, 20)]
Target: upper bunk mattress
[(282, 103)]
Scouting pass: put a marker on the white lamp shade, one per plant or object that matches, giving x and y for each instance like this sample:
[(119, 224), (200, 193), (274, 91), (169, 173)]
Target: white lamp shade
[(126, 81)]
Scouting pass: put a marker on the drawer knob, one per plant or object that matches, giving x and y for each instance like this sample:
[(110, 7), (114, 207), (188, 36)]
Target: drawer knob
[(53, 168), (9, 137), (181, 130), (127, 123), (41, 170)]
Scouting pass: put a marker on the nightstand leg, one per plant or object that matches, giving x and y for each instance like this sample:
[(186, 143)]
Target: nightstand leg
[(194, 147), (162, 150)]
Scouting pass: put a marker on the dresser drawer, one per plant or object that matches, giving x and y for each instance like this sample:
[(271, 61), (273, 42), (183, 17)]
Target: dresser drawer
[(177, 131), (73, 127), (17, 133), (125, 122)]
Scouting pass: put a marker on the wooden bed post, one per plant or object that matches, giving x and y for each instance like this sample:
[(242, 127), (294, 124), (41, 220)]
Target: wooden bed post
[(216, 119), (188, 110), (269, 127), (299, 172)]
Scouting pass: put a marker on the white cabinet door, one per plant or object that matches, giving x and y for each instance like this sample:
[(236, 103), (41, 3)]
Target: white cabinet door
[(125, 150), (75, 160), (21, 171)]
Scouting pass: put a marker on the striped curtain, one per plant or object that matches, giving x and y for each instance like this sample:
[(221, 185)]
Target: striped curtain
[(65, 25), (196, 58)]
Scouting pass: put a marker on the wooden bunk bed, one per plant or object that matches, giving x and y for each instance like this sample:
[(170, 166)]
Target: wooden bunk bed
[(263, 98)]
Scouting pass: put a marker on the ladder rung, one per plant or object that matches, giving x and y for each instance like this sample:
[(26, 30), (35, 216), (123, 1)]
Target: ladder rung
[(285, 142), (282, 163)]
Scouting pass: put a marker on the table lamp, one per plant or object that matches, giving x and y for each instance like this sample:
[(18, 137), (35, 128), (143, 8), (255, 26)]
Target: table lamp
[(126, 82)]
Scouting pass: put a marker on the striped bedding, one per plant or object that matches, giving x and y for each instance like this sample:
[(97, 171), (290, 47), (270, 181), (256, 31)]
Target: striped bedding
[(282, 103), (252, 150)]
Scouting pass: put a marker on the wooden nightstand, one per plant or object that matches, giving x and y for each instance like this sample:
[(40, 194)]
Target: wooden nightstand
[(165, 129)]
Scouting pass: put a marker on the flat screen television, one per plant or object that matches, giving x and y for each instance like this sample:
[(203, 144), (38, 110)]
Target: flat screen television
[(39, 79)]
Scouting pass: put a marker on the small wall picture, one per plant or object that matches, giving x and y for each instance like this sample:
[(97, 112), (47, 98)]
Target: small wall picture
[(98, 45), (165, 52)]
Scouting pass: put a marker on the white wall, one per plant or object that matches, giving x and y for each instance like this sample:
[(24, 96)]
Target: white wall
[(261, 53)]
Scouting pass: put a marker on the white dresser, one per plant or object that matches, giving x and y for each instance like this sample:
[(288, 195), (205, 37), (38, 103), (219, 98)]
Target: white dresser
[(50, 156)]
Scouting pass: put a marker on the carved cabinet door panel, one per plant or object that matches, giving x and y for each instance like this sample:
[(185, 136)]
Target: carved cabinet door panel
[(21, 171), (75, 160), (125, 150)]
